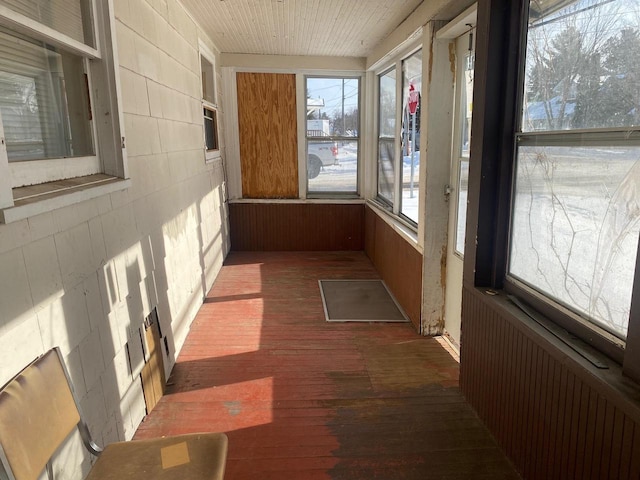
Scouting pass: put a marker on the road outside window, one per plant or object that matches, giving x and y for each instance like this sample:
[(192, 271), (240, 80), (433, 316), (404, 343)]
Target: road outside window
[(576, 204)]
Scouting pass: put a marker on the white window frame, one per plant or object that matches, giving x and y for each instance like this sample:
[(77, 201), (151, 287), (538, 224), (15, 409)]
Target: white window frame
[(101, 64), (337, 138), (210, 155), (301, 102), (393, 63)]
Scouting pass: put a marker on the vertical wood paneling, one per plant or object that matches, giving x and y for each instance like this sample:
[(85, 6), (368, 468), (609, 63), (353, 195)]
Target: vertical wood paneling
[(268, 135), (634, 469), (615, 447), (550, 422), (627, 448), (399, 264), (296, 227)]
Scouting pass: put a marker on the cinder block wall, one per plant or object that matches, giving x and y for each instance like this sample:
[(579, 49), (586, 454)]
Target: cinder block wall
[(84, 277)]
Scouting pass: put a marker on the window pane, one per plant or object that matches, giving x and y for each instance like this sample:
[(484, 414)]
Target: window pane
[(210, 129), (70, 17), (387, 118), (208, 81), (332, 166), (466, 105), (411, 84), (461, 218), (575, 228), (466, 110), (386, 168), (332, 112), (332, 107), (386, 134), (583, 66), (43, 101)]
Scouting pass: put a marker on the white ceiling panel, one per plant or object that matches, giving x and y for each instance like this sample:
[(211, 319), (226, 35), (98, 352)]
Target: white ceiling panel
[(343, 28)]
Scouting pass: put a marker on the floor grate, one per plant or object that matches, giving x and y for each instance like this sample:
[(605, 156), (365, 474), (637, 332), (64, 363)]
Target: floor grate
[(359, 301)]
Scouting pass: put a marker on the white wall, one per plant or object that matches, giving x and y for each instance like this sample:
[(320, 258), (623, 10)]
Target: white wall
[(84, 277)]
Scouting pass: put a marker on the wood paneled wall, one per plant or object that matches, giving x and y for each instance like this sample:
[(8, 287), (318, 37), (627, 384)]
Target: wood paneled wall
[(268, 135), (554, 419), (399, 264), (296, 226)]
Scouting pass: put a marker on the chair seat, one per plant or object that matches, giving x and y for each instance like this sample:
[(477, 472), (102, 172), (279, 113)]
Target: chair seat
[(184, 457)]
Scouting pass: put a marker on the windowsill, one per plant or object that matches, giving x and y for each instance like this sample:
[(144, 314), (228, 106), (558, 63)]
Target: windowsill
[(332, 200), (403, 228), (621, 390), (211, 157), (45, 197)]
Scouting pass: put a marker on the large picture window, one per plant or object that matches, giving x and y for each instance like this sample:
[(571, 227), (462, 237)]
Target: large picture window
[(576, 201)]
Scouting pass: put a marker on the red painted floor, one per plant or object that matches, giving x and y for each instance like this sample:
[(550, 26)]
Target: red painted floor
[(301, 398)]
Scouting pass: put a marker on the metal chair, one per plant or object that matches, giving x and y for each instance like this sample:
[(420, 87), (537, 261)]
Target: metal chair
[(38, 411)]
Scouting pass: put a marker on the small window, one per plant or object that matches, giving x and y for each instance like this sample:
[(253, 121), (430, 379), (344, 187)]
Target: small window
[(333, 135), (211, 129), (208, 81), (209, 104)]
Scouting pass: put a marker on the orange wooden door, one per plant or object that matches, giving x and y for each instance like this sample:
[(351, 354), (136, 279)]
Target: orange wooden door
[(268, 135)]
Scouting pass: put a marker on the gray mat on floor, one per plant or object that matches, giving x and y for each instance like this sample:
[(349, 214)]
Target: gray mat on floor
[(359, 301)]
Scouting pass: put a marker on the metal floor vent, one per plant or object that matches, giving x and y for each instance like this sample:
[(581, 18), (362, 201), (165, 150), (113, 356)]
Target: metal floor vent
[(359, 301)]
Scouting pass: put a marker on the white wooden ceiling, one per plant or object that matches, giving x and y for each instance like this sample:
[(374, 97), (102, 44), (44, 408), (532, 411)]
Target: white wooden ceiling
[(343, 28)]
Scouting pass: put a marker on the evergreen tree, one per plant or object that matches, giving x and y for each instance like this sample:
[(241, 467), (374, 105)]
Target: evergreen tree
[(620, 92)]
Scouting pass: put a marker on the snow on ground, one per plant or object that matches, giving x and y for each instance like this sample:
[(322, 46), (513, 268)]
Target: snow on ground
[(575, 228), (343, 178)]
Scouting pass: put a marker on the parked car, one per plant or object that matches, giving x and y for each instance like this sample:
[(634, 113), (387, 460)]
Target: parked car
[(320, 153)]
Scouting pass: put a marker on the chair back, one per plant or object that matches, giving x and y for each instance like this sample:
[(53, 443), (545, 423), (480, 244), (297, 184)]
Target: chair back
[(37, 413)]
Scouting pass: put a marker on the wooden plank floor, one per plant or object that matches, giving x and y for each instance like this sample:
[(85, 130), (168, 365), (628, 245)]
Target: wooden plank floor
[(304, 399)]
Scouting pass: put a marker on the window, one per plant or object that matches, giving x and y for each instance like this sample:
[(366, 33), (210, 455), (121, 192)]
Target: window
[(465, 85), (209, 103), (387, 136), (44, 101), (398, 126), (211, 129), (411, 88), (576, 199), (333, 134), (50, 68)]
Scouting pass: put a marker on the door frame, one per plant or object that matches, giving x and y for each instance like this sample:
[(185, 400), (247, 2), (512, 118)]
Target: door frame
[(456, 31)]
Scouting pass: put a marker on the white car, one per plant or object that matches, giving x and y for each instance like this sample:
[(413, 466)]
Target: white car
[(320, 154)]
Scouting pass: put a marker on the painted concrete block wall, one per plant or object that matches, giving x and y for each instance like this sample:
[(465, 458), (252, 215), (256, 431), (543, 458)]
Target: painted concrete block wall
[(84, 277)]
